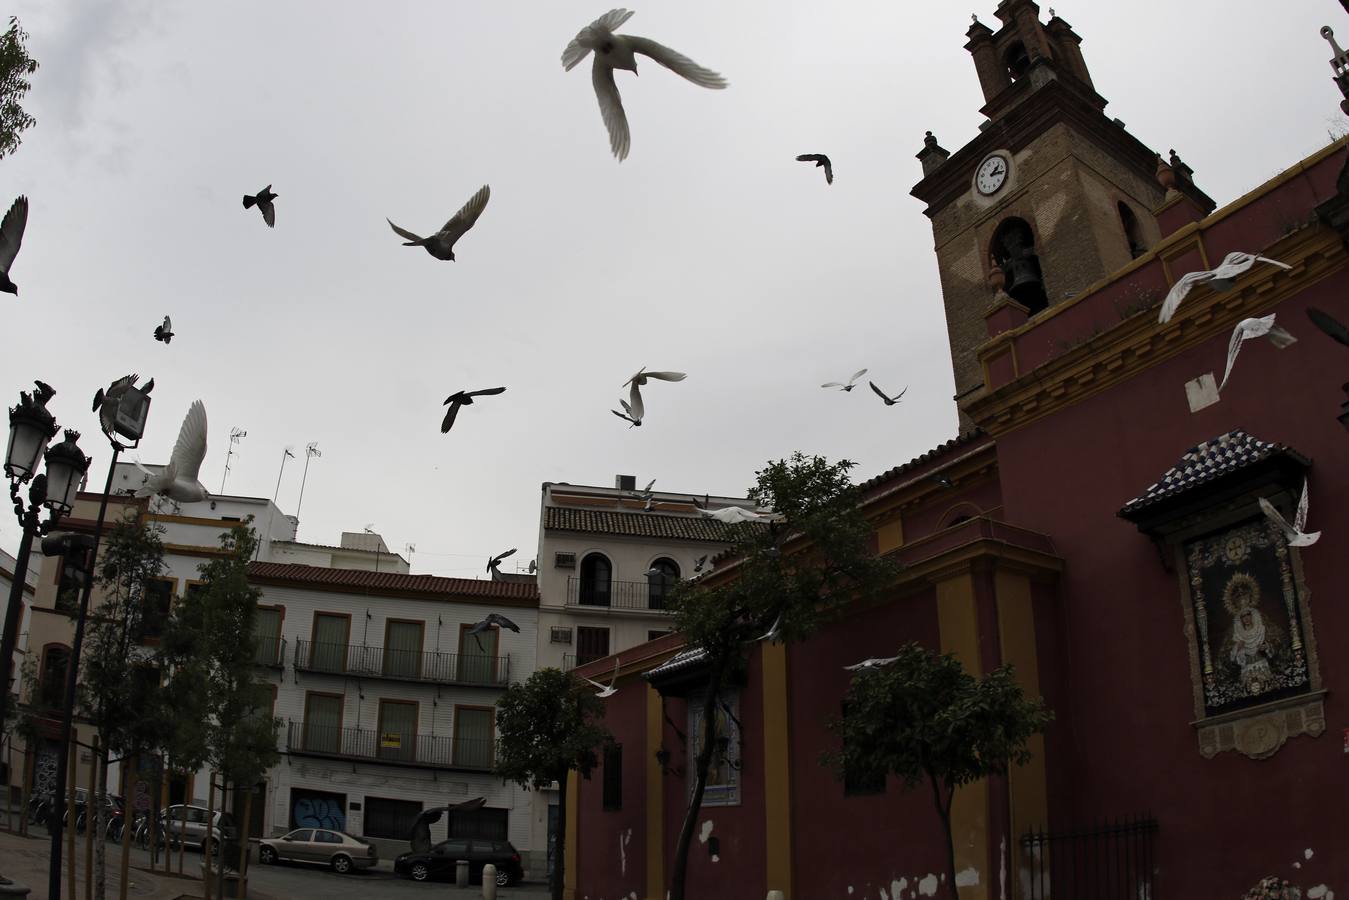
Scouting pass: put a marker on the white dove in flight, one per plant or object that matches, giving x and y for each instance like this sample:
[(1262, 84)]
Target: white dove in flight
[(609, 691), (1254, 328), (872, 663), (178, 480), (618, 51), (1294, 533), (1220, 278), (732, 515), (852, 382)]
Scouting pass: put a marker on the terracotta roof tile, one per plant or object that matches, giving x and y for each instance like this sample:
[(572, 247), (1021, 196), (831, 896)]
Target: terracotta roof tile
[(636, 524), (961, 440), (432, 586)]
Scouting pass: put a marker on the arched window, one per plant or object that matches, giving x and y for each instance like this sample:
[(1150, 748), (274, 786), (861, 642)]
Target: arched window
[(1014, 251), (659, 579), (52, 681), (1017, 60), (596, 578), (1132, 233)]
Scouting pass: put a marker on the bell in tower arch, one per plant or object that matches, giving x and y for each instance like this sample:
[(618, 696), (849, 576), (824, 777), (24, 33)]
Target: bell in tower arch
[(1014, 251)]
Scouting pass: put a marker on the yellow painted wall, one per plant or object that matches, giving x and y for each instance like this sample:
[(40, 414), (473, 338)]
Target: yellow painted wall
[(889, 536), (958, 623), (1026, 784), (777, 773)]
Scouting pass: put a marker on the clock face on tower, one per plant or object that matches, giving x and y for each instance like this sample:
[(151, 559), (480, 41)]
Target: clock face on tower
[(991, 175)]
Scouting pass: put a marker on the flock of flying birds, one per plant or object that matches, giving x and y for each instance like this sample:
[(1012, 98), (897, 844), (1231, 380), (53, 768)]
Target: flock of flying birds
[(179, 479)]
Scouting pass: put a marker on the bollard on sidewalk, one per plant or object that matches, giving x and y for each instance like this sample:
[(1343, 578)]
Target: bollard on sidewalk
[(461, 873), (489, 882)]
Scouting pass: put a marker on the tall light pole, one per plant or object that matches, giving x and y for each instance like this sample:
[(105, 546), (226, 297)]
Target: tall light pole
[(31, 428), (122, 411)]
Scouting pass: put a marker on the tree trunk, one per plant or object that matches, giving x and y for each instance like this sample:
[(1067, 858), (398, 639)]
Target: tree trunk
[(944, 810), (704, 762), (560, 848), (92, 811), (206, 857), (243, 843), (27, 796), (72, 766), (128, 811), (226, 785), (182, 845), (101, 823)]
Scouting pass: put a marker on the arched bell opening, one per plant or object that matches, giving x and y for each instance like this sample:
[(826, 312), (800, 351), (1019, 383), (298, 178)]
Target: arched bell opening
[(1014, 251)]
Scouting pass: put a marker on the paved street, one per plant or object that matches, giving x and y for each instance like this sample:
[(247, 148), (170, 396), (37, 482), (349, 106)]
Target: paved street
[(296, 880), (25, 860)]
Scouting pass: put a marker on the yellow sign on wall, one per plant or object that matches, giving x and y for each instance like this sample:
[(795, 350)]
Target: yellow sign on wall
[(391, 740)]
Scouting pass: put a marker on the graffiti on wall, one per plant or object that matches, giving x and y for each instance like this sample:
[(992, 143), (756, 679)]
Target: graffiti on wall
[(315, 810)]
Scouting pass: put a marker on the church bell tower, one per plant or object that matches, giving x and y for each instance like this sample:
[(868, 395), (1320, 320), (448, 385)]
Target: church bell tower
[(1050, 197)]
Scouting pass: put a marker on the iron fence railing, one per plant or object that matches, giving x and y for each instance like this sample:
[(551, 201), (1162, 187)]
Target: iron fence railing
[(638, 595), (1099, 862), (402, 665), (270, 652), (432, 751)]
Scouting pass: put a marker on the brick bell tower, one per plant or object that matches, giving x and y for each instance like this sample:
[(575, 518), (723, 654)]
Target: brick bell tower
[(1050, 197)]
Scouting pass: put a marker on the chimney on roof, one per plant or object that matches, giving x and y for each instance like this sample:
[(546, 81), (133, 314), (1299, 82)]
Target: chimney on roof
[(625, 482)]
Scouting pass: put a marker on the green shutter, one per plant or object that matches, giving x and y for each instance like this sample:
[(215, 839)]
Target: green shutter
[(477, 662), (323, 723), (329, 653), (473, 738), (397, 730), (267, 635), (403, 649)]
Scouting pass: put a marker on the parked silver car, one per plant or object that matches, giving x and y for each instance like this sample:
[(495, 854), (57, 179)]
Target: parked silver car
[(187, 823), (338, 849)]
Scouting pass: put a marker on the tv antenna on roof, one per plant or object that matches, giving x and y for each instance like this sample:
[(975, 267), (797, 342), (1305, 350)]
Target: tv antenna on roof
[(236, 435), (311, 450), (287, 454)]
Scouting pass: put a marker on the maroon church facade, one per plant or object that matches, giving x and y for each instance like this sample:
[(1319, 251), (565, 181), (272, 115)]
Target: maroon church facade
[(1097, 524)]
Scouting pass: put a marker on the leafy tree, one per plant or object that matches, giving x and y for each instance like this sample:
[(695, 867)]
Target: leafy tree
[(15, 67), (924, 718), (239, 736), (547, 727), (791, 575), (117, 674)]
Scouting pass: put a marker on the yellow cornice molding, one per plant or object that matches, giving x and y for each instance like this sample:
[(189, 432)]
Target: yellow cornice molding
[(194, 550), (222, 524), (1138, 343)]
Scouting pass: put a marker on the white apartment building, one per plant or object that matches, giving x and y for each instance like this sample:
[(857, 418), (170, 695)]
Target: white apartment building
[(388, 704), (606, 562)]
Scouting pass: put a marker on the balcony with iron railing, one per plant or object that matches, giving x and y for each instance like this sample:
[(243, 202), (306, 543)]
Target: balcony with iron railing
[(629, 596), (270, 653), (402, 665), (371, 745)]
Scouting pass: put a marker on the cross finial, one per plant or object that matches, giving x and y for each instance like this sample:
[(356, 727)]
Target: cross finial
[(1051, 12), (974, 17)]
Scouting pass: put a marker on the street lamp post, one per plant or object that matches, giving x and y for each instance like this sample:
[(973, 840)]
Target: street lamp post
[(31, 428), (122, 410)]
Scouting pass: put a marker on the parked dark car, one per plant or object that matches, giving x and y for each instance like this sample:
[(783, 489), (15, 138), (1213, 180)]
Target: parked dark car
[(440, 861)]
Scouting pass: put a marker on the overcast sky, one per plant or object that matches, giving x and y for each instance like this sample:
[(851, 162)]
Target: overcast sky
[(709, 250)]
